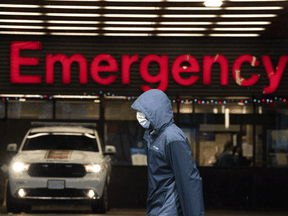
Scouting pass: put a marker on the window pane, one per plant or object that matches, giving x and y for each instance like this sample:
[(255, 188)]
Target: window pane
[(276, 114), (277, 133), (119, 109), (216, 107), (77, 109), (186, 104), (32, 109), (124, 135), (174, 107), (2, 109), (259, 146)]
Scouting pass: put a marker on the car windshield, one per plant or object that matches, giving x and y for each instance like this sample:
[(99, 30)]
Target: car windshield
[(61, 141)]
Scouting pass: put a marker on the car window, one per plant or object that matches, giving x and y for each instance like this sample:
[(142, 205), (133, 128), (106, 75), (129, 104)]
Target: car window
[(58, 141)]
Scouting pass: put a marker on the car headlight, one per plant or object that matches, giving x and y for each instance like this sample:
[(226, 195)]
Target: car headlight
[(95, 168), (20, 167)]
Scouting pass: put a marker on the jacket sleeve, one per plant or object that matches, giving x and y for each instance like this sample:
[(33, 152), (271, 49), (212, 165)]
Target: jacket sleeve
[(187, 178)]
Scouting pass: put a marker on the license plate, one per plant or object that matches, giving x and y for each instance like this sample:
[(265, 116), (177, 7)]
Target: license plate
[(56, 184)]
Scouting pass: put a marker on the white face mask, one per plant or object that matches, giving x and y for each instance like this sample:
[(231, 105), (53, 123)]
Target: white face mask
[(142, 120)]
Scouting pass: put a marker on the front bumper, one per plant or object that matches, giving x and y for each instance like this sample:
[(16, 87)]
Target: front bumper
[(74, 188)]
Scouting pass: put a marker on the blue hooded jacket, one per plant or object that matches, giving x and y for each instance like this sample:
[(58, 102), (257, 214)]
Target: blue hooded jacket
[(174, 182)]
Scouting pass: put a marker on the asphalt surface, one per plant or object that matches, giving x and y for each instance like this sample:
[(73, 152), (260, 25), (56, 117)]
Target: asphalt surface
[(85, 211)]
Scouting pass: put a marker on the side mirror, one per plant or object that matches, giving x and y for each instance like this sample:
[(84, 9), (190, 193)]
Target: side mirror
[(110, 150), (12, 147)]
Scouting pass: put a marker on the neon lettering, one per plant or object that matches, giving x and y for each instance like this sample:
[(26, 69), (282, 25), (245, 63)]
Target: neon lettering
[(208, 61), (237, 74), (95, 68), (177, 69), (16, 61), (66, 67), (126, 63), (274, 77), (162, 76)]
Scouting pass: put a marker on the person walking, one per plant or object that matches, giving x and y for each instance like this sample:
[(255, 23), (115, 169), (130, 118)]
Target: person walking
[(174, 182)]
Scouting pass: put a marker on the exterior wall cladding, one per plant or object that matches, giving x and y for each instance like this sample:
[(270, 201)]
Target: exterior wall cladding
[(172, 47)]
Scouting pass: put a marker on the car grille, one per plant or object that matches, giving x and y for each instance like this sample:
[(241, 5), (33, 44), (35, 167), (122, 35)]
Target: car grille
[(56, 170), (45, 192)]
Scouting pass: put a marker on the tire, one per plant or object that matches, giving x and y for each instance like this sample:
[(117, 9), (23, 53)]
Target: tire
[(15, 205), (102, 205)]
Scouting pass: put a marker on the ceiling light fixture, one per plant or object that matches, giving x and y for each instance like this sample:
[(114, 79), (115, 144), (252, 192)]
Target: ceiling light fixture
[(247, 15), (74, 34), (128, 29), (75, 0), (19, 6), (71, 28), (74, 22), (253, 8), (70, 7), (180, 35), (213, 3), (189, 16), (234, 35), (192, 8), (23, 33), (132, 15), (238, 29), (20, 13), (185, 23), (126, 34), (180, 29), (244, 23), (22, 21), (128, 23), (184, 0), (131, 8), (73, 15), (255, 0), (21, 27), (133, 0)]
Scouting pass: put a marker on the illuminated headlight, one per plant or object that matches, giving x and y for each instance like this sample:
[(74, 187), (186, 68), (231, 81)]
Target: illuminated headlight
[(20, 167), (94, 168), (21, 193), (91, 193)]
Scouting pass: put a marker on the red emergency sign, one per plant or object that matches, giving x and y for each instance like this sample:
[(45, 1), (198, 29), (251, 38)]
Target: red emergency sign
[(162, 77)]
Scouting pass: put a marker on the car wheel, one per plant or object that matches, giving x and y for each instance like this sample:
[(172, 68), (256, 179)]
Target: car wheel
[(13, 204), (102, 205)]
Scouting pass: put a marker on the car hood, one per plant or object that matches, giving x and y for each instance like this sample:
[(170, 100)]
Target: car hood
[(58, 156)]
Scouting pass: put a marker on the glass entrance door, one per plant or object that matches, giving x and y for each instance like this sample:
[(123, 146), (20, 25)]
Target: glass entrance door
[(215, 122)]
